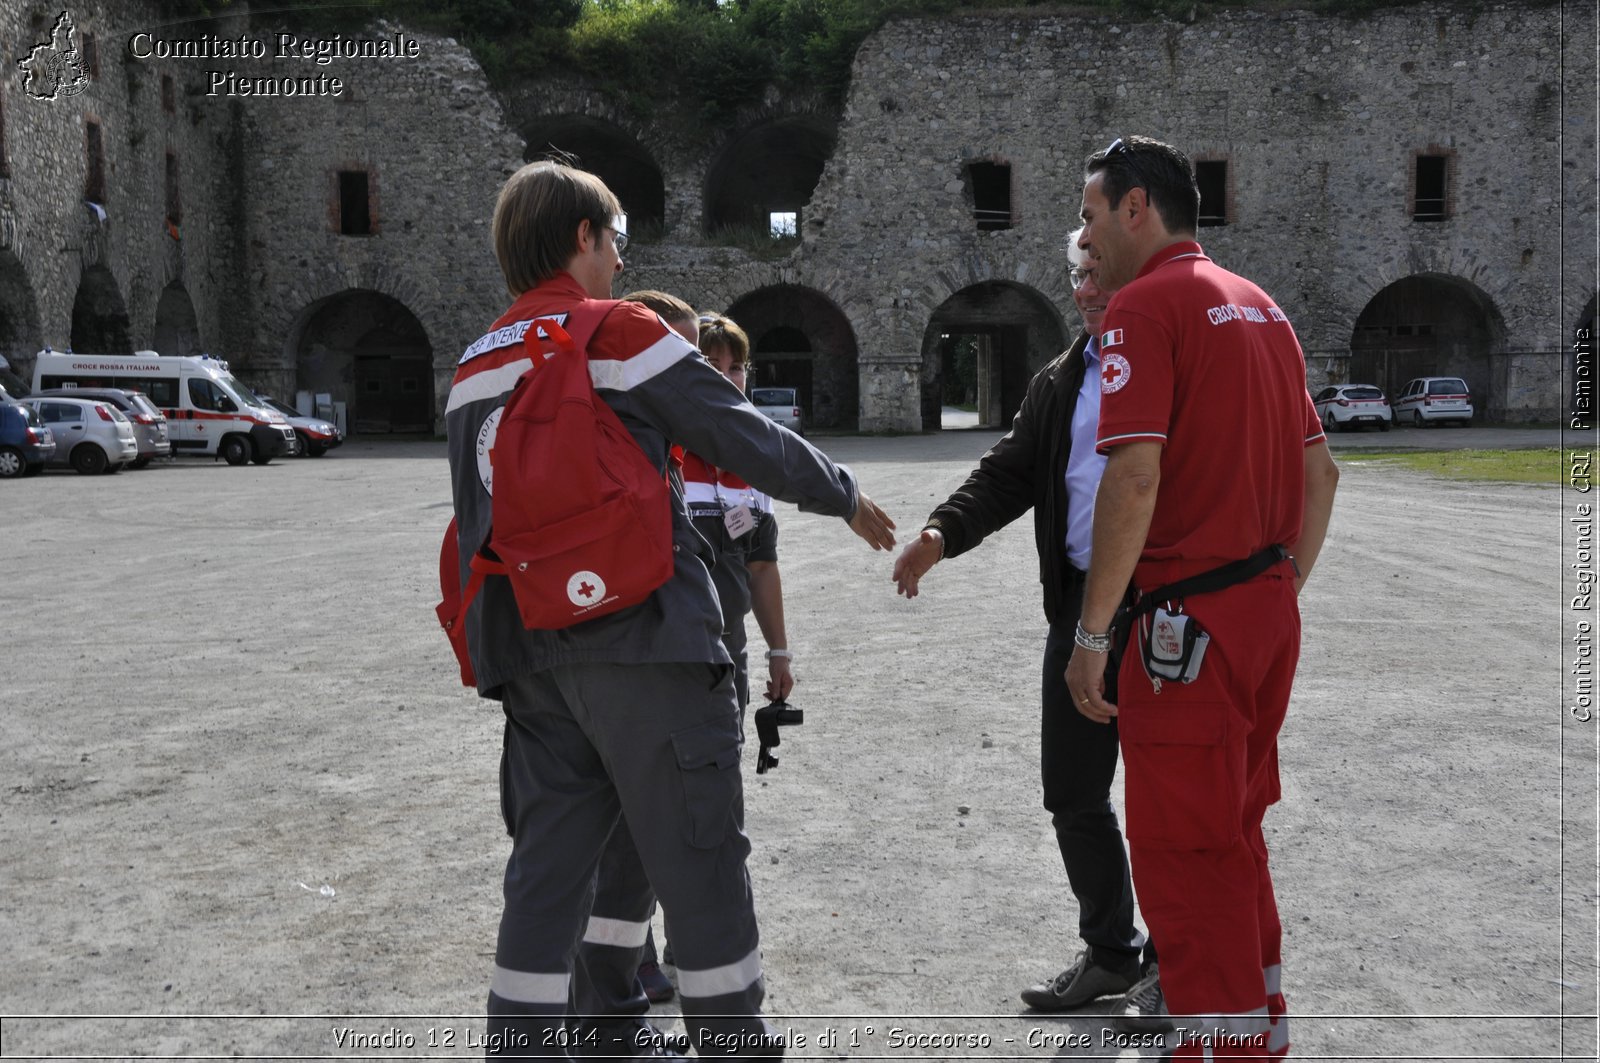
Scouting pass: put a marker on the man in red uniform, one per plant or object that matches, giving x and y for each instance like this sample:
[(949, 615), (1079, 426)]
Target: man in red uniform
[(1214, 456)]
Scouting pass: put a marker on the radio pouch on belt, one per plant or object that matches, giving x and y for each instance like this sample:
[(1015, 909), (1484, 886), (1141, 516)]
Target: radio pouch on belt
[(1174, 645)]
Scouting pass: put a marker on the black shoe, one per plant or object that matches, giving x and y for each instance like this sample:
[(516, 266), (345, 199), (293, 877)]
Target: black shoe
[(658, 989), (1084, 981)]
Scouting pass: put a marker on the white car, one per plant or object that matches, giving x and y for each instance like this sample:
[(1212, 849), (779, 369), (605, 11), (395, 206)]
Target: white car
[(1435, 398), (91, 436), (1347, 406), (780, 404)]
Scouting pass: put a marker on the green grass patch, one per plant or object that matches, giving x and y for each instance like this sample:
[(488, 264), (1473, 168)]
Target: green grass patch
[(1535, 465)]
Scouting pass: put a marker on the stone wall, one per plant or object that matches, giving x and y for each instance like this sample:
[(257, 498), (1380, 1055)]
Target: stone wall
[(1318, 119)]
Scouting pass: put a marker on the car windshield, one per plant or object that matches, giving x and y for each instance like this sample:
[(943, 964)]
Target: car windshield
[(1447, 387), (772, 397), (274, 404), (116, 414), (1362, 393), (239, 391)]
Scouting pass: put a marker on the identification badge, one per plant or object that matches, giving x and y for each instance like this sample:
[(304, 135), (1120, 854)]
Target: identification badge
[(738, 521)]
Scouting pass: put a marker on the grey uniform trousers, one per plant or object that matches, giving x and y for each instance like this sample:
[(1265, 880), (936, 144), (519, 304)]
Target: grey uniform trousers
[(588, 745)]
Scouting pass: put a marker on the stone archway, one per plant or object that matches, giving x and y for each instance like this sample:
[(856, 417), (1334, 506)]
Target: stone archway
[(368, 351), (771, 168), (613, 155), (177, 331), (99, 316), (1429, 324), (19, 317), (799, 338), (986, 341)]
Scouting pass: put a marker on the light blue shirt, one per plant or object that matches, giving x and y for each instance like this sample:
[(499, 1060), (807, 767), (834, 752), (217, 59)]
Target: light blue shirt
[(1084, 464)]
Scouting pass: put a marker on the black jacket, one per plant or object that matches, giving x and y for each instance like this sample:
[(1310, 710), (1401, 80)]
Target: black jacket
[(1028, 468)]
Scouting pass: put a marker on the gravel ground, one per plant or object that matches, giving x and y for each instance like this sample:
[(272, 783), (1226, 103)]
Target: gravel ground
[(244, 795)]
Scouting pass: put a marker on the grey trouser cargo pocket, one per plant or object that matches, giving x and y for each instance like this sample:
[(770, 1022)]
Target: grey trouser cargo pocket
[(708, 765)]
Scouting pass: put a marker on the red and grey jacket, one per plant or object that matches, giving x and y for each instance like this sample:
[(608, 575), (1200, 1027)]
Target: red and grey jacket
[(660, 388)]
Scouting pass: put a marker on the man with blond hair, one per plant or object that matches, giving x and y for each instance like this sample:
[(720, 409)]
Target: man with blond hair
[(630, 715)]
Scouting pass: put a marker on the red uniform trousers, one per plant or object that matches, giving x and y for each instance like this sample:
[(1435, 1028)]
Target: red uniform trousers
[(1201, 764)]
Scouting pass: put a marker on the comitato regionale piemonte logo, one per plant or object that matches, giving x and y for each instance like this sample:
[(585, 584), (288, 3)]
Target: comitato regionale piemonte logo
[(54, 67)]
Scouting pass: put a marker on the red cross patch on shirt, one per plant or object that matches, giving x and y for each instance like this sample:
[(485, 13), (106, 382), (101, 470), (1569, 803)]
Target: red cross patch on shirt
[(1114, 373)]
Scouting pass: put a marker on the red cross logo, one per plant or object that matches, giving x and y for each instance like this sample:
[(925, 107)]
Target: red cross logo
[(586, 589), (1114, 373)]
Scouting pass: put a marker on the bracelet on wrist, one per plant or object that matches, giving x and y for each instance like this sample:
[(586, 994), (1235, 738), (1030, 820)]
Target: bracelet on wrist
[(787, 655), (1100, 643)]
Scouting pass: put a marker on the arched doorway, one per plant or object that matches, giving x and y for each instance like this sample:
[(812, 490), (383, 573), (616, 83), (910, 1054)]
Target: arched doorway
[(99, 316), (19, 317), (1429, 324), (613, 155), (366, 350), (768, 170), (177, 331), (800, 339), (982, 346)]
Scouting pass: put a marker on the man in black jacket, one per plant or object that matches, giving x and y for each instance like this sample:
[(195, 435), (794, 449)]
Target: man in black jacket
[(1047, 462)]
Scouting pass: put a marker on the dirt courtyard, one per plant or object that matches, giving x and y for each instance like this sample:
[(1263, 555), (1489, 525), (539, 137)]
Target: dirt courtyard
[(247, 810)]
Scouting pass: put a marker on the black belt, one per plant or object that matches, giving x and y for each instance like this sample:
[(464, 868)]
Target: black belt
[(1206, 582)]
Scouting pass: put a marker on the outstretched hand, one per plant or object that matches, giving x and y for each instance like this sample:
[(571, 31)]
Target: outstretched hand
[(872, 524), (920, 554)]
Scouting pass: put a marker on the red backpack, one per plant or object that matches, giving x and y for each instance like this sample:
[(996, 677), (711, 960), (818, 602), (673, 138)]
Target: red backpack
[(581, 521)]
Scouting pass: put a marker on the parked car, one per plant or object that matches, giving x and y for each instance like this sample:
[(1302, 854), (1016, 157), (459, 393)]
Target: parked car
[(90, 436), (317, 435), (149, 423), (25, 442), (780, 404), (1435, 398), (1347, 406)]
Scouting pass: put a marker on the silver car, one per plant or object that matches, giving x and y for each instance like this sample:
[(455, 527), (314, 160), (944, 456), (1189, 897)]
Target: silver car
[(149, 423), (780, 404), (90, 436)]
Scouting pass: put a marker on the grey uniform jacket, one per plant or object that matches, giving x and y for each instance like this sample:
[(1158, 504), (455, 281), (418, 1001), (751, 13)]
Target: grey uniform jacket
[(662, 390)]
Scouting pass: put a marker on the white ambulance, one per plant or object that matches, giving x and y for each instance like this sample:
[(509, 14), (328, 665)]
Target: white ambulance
[(208, 411)]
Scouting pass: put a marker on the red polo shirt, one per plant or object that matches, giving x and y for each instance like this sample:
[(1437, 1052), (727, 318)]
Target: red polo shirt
[(1203, 362)]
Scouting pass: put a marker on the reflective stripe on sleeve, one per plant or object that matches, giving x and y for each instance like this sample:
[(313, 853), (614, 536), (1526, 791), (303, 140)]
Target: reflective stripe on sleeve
[(619, 933), (529, 987), (611, 374), (487, 384), (721, 981)]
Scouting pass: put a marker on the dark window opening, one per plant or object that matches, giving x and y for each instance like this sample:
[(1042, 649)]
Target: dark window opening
[(1212, 177), (990, 183), (169, 94), (5, 163), (355, 208), (174, 209), (94, 185), (1430, 202), (91, 55)]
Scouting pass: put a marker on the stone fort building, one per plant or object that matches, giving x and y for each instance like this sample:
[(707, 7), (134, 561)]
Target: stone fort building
[(1416, 188)]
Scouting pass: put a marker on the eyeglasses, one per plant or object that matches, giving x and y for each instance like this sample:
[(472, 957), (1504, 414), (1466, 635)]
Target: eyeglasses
[(1077, 276), (621, 240), (619, 225)]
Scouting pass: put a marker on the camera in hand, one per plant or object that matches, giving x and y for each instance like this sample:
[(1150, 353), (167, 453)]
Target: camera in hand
[(776, 714)]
